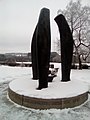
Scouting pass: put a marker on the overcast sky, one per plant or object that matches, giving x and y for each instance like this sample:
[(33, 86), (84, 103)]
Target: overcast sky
[(18, 19)]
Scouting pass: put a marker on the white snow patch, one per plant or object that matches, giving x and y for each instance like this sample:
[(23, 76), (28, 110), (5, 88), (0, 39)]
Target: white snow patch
[(8, 73), (22, 82), (9, 111), (56, 89)]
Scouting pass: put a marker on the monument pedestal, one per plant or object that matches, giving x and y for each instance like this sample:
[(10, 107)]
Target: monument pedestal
[(58, 95)]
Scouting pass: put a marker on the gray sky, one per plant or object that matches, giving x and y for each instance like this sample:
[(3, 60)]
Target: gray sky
[(18, 19)]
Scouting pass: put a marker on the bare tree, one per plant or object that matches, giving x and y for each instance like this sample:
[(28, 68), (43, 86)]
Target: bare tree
[(78, 18), (57, 45)]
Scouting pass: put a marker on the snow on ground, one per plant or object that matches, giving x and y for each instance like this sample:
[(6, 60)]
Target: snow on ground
[(56, 89), (10, 73), (9, 111)]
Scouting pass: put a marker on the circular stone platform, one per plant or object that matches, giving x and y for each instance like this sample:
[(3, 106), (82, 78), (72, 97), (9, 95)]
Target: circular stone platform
[(58, 95)]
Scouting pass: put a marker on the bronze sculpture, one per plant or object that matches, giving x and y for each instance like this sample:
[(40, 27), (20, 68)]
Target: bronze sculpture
[(66, 46), (41, 46)]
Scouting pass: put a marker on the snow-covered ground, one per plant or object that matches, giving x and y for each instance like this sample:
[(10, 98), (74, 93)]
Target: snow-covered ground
[(9, 111)]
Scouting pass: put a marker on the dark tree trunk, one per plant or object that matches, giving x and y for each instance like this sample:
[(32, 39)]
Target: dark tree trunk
[(80, 63), (66, 46)]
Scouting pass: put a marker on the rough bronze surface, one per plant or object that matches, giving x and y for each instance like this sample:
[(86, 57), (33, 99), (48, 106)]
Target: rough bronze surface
[(34, 56), (41, 46), (66, 46)]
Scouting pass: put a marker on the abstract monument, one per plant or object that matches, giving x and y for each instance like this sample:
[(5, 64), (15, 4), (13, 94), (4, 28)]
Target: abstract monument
[(66, 46), (40, 49), (25, 94)]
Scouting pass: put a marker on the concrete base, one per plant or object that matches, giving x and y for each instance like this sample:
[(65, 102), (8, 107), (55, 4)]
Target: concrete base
[(33, 101)]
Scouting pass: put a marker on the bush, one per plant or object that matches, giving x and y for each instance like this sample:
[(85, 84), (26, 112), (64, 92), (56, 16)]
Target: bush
[(13, 64), (74, 67), (85, 66)]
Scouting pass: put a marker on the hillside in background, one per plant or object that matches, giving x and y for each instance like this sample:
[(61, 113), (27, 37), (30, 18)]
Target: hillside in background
[(26, 57)]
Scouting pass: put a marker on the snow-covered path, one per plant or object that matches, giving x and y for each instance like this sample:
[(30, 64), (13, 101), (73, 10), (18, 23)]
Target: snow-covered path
[(9, 111)]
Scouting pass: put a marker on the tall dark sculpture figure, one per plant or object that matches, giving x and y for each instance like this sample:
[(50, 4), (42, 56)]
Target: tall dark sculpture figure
[(41, 45), (34, 56), (66, 46)]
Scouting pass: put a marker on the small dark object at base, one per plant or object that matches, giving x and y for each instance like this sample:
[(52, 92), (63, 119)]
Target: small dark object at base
[(50, 78), (52, 66)]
